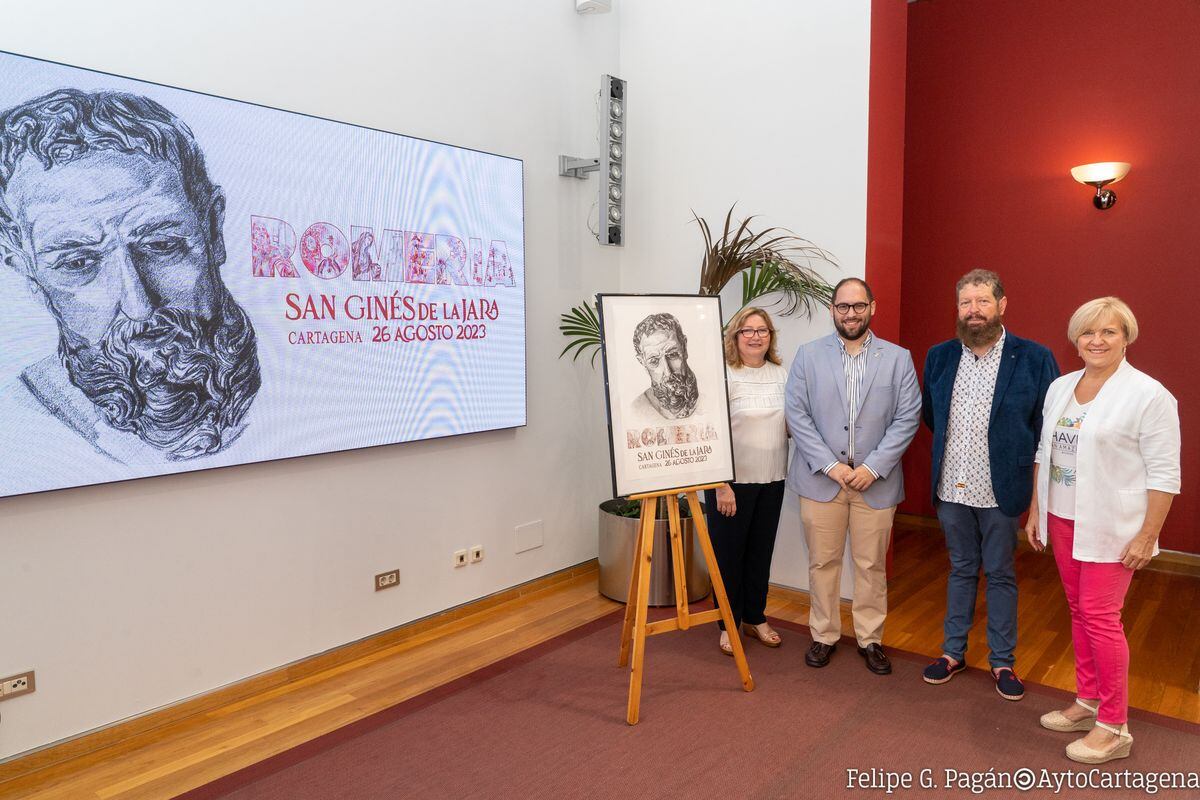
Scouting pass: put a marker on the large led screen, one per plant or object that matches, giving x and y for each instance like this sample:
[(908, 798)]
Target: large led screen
[(193, 282)]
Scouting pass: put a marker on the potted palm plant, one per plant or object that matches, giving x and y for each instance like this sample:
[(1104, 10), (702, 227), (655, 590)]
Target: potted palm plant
[(773, 260), (619, 524)]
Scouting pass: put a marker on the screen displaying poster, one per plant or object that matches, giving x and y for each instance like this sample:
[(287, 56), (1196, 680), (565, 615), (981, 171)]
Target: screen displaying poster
[(190, 282), (668, 404)]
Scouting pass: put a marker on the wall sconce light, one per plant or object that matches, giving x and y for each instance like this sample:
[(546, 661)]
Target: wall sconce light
[(1100, 175)]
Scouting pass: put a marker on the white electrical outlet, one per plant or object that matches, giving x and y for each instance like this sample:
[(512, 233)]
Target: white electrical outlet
[(17, 685), (477, 554), (460, 558)]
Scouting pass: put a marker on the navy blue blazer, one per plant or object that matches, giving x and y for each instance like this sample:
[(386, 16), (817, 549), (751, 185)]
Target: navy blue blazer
[(1026, 372)]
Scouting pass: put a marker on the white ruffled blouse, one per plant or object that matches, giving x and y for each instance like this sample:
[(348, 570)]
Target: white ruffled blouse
[(760, 448)]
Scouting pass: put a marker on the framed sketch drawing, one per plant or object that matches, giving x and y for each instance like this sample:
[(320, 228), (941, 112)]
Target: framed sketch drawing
[(668, 405)]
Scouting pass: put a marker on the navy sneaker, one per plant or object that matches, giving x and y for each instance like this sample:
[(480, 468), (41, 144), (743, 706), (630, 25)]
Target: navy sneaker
[(1008, 684), (940, 671)]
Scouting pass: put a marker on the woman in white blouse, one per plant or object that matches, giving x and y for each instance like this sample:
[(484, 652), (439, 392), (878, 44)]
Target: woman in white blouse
[(1107, 471), (743, 516)]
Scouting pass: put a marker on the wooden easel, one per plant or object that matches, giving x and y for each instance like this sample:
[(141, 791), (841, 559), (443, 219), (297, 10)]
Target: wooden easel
[(636, 629)]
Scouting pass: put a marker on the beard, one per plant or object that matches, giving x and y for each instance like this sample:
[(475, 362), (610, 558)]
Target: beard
[(855, 336), (182, 384), (987, 333), (677, 394)]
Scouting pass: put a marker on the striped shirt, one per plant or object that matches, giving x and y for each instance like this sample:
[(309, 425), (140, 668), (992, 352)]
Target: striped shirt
[(855, 367)]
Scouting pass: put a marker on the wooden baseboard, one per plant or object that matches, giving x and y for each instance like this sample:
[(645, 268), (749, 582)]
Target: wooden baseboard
[(788, 594), (122, 735), (916, 521), (1171, 561), (799, 596), (1176, 563)]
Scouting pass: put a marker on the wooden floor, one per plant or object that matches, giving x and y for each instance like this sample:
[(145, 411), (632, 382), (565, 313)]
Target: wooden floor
[(1160, 619)]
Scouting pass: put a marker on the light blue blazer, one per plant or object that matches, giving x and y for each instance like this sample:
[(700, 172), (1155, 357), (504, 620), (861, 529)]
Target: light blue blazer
[(889, 411)]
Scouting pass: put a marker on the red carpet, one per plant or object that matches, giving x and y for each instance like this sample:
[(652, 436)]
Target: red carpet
[(549, 722)]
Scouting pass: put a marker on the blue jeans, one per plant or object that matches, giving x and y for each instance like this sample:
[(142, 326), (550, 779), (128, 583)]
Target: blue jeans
[(980, 537)]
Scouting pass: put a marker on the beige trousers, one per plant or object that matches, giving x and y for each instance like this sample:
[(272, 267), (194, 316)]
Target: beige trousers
[(870, 531)]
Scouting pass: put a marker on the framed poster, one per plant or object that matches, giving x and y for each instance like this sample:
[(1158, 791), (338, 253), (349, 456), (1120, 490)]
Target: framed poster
[(188, 281), (668, 403)]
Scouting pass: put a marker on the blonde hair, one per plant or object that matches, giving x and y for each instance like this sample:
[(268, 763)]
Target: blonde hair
[(733, 357), (1092, 312)]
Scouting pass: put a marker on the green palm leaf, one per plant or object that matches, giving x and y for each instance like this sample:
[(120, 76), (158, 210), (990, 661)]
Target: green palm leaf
[(581, 326), (771, 260)]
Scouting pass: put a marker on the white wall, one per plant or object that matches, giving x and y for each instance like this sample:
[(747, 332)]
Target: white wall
[(130, 596), (763, 104), (136, 595)]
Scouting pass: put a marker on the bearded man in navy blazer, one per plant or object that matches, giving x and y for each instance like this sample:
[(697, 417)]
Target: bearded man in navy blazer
[(982, 398)]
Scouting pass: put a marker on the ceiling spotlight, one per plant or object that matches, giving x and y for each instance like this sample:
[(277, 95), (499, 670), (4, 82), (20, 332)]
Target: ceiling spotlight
[(614, 193), (616, 109), (615, 172), (614, 214), (615, 130), (616, 151)]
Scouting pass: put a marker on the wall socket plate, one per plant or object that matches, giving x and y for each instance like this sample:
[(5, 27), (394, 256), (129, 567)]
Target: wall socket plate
[(17, 685), (460, 558), (477, 554), (529, 536), (386, 580)]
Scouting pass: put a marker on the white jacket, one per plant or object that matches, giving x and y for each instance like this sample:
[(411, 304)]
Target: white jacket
[(1129, 443)]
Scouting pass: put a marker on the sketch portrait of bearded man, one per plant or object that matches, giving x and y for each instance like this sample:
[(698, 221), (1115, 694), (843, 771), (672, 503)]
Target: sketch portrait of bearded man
[(108, 212), (674, 393)]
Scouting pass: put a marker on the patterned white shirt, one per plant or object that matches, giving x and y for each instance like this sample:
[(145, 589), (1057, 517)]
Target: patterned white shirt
[(855, 368), (966, 468)]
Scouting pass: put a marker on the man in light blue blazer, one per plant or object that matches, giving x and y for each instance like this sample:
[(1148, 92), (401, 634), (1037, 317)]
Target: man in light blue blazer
[(853, 407)]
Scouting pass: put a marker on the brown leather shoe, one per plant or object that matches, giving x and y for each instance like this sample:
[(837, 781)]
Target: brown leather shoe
[(818, 655), (877, 660)]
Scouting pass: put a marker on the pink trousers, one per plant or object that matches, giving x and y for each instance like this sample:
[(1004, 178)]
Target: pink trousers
[(1095, 595)]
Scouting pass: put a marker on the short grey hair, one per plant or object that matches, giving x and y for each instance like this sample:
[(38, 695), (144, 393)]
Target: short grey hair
[(980, 277), (658, 322)]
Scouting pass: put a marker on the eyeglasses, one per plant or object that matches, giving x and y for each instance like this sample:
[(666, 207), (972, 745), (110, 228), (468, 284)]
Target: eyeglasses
[(844, 308), (754, 333)]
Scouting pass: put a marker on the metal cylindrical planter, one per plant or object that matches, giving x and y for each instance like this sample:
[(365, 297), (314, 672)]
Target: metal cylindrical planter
[(618, 537)]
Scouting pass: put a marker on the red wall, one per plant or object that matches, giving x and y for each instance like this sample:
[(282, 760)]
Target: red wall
[(1003, 98), (885, 162), (885, 166)]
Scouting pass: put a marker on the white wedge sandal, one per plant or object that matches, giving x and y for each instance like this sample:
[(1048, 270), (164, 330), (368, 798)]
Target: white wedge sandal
[(1058, 721), (1078, 751)]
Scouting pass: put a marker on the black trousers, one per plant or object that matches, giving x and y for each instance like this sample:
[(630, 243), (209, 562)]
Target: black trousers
[(744, 544)]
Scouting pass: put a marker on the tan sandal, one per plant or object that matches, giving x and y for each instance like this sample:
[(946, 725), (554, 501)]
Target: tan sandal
[(1085, 754), (1058, 721), (770, 639)]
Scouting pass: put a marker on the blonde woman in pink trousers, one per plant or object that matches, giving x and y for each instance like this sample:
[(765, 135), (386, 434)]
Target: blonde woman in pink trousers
[(1107, 471)]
